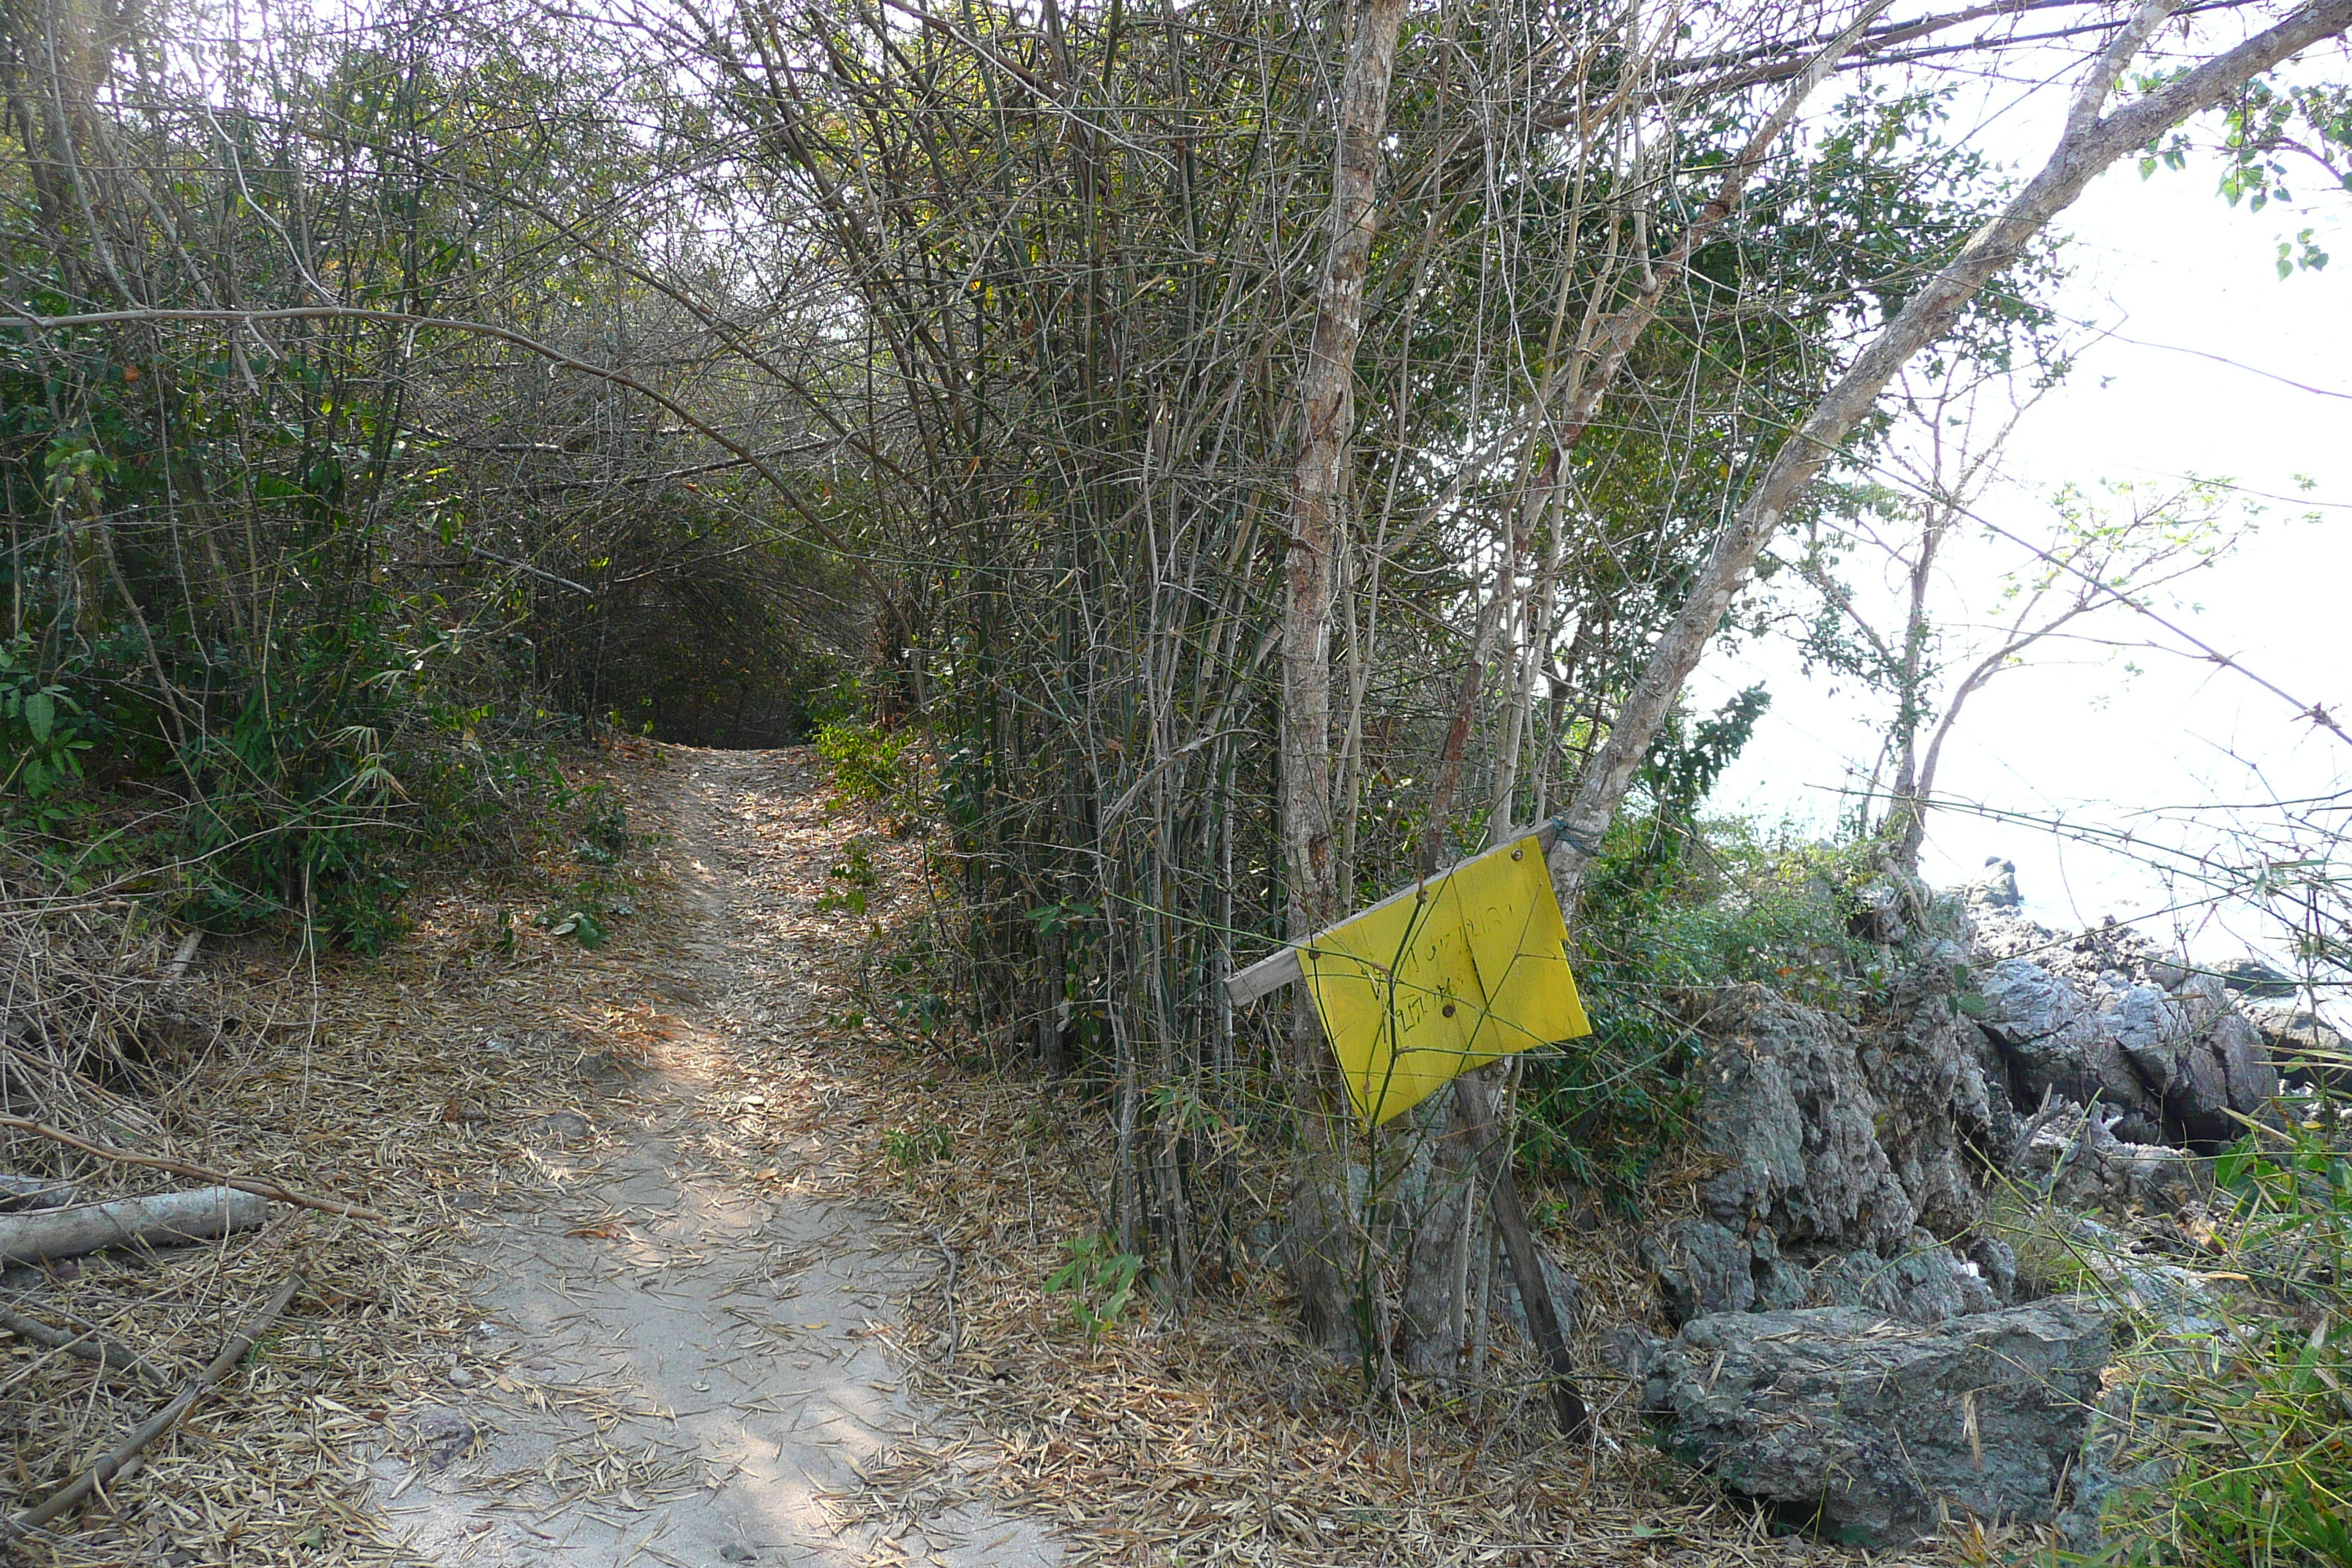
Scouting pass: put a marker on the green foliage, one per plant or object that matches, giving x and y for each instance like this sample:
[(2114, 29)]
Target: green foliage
[(2269, 138), (870, 765), (1725, 907), (45, 726), (1683, 765), (603, 824), (582, 926), (856, 881), (2242, 1453), (912, 1148), (1100, 1281)]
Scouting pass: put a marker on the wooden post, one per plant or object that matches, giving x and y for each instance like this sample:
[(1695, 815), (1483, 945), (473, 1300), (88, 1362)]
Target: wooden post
[(1477, 1113)]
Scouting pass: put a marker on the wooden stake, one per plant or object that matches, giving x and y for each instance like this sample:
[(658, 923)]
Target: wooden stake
[(1527, 1262)]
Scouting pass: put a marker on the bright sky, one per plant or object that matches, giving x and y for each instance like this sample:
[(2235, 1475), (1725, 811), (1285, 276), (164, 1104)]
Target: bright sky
[(2164, 261)]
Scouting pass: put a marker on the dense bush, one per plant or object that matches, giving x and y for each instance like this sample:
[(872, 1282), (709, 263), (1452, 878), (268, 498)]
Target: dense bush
[(295, 603), (1730, 906)]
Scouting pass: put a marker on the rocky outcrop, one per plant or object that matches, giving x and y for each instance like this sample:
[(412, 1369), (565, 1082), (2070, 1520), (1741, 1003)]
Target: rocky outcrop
[(2173, 1065), (1831, 1140), (1875, 1430), (2110, 1016), (1791, 1113), (2072, 1154), (1847, 1349), (1927, 1283), (2307, 1047)]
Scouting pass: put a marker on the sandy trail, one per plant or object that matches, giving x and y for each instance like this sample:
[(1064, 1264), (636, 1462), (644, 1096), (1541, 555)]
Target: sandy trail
[(677, 1362)]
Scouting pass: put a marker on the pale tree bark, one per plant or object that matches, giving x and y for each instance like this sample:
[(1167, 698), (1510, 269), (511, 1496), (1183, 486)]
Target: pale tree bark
[(2089, 144), (1321, 1265), (1438, 1328)]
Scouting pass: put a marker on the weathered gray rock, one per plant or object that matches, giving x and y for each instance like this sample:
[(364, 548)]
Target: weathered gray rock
[(2075, 1155), (558, 1127), (1836, 1140), (1879, 908), (2258, 980), (2057, 1043), (1996, 1263), (1994, 889), (1934, 1103), (2306, 1047), (2108, 948), (2114, 1463), (1878, 1428), (2254, 1080), (2174, 1065), (1925, 1284), (1631, 1351), (1702, 1267), (1786, 1106)]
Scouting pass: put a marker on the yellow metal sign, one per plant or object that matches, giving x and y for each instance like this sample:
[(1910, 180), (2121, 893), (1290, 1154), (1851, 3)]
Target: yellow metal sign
[(1444, 977)]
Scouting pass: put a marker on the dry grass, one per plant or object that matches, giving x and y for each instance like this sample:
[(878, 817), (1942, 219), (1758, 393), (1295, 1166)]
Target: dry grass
[(1194, 1435), (374, 1081)]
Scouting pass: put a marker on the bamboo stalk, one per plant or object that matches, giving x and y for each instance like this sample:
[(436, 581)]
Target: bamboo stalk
[(124, 1459)]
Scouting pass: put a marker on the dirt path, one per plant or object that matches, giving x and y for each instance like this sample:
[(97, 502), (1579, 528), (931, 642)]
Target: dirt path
[(679, 1360)]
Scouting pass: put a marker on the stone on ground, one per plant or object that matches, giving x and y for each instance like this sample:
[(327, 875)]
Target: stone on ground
[(1876, 1430)]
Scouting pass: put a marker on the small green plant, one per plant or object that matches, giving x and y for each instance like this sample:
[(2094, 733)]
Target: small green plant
[(1719, 905), (581, 925), (44, 730), (910, 1149), (603, 824), (1100, 1281), (857, 878), (869, 765)]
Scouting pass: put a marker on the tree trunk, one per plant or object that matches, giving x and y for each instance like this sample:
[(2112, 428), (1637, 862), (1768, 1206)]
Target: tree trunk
[(1321, 1231), (2087, 147), (1444, 1225)]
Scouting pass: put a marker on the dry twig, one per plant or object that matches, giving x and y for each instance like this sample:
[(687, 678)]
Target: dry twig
[(125, 1457), (257, 1186), (88, 1346)]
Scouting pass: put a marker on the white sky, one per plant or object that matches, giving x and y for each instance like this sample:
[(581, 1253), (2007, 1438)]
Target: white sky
[(2164, 261)]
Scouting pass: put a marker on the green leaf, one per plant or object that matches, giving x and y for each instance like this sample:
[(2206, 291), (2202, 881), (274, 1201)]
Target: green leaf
[(41, 715)]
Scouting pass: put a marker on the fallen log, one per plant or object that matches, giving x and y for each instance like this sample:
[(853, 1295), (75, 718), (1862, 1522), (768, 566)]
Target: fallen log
[(165, 1219), (256, 1184), (35, 1192), (125, 1459)]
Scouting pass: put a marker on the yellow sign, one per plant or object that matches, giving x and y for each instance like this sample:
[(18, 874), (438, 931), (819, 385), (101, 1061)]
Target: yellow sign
[(1444, 977)]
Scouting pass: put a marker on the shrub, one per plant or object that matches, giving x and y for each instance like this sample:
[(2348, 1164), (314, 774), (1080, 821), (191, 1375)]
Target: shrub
[(869, 765), (2239, 1450), (1726, 906)]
